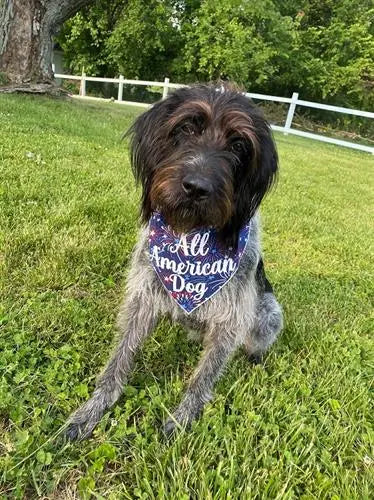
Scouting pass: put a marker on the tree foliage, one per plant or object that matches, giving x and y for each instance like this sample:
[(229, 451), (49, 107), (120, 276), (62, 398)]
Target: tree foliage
[(145, 43), (322, 48)]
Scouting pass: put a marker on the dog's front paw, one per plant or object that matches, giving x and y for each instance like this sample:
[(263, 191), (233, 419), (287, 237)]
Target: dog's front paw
[(182, 418), (84, 420), (169, 427), (79, 430), (73, 431), (175, 424)]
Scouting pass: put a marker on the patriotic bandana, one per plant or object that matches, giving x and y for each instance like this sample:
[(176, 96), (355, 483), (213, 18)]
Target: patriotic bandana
[(194, 266)]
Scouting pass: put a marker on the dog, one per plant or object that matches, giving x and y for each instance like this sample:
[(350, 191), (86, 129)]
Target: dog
[(205, 158)]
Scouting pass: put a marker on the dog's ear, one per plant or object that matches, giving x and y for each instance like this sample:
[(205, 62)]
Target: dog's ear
[(145, 150), (253, 182), (262, 174)]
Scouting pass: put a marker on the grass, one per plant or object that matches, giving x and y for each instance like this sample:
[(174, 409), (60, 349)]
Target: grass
[(300, 426)]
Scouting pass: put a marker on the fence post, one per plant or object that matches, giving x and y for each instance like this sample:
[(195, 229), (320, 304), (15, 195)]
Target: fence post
[(120, 88), (166, 88), (82, 89), (291, 111)]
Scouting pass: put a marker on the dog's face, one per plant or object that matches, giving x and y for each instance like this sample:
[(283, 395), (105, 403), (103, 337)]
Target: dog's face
[(205, 157)]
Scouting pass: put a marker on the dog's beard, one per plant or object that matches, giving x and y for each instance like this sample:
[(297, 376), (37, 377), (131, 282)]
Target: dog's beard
[(186, 217)]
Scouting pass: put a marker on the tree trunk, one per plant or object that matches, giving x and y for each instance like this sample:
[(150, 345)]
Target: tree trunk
[(26, 31)]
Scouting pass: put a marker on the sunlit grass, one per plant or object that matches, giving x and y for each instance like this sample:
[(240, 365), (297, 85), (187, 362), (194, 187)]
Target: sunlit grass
[(300, 426)]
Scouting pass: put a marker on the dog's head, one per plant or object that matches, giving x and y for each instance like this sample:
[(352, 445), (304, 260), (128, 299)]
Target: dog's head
[(205, 157)]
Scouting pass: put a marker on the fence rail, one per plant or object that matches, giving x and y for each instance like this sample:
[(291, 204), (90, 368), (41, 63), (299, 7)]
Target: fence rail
[(286, 129)]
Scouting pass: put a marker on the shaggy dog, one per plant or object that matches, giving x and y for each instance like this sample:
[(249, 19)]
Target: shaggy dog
[(205, 158)]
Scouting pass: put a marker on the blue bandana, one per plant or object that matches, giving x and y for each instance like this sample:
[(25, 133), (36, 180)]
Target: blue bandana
[(193, 266)]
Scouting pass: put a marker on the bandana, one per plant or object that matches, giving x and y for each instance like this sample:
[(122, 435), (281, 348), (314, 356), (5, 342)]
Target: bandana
[(194, 266)]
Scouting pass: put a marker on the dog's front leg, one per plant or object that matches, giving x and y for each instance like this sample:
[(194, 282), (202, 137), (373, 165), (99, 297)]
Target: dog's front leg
[(220, 345), (135, 323)]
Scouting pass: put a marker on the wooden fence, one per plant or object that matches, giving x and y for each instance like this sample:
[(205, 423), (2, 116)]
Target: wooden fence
[(286, 129)]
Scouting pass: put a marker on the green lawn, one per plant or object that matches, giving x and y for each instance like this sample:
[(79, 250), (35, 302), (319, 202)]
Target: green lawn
[(299, 426)]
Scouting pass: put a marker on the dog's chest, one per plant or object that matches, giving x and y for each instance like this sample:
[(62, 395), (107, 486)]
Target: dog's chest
[(233, 304)]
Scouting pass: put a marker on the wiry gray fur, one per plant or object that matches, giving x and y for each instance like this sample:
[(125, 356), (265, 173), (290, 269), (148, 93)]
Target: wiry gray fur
[(241, 313)]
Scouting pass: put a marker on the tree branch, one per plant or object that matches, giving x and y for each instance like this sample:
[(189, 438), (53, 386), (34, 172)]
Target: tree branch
[(61, 10)]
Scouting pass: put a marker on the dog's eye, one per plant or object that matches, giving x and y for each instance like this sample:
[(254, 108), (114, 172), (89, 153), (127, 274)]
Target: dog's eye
[(187, 129), (237, 147)]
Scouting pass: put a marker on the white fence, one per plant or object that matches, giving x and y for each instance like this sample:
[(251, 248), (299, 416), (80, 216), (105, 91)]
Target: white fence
[(286, 129)]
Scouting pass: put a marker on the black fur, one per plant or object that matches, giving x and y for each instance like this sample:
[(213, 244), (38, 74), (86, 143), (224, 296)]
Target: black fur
[(263, 284)]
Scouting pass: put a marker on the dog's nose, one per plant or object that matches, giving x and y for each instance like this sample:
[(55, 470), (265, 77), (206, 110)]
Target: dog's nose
[(197, 187)]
